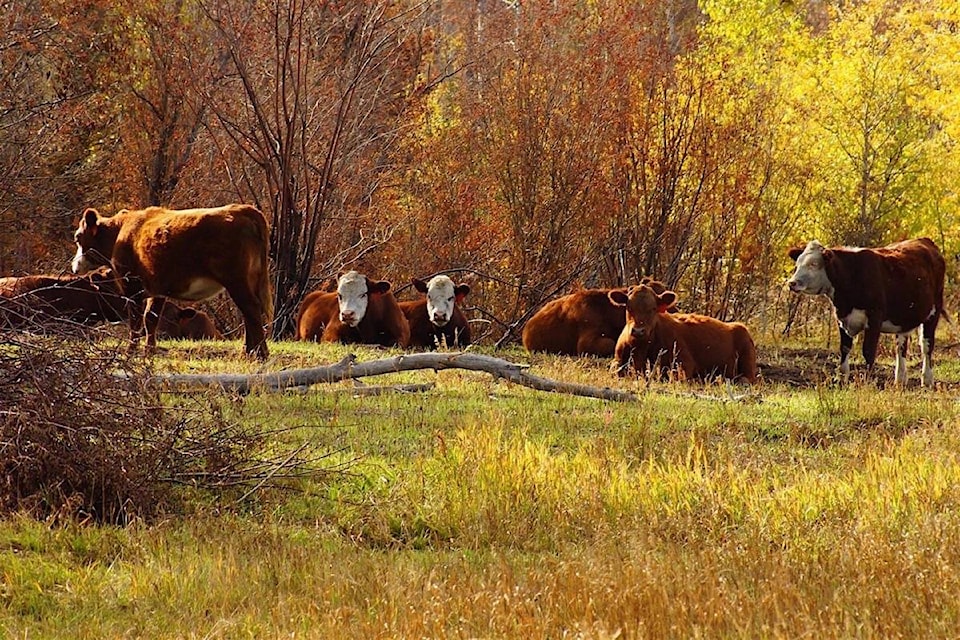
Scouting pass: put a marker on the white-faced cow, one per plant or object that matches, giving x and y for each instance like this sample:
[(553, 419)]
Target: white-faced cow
[(892, 289), (360, 311), (436, 319), (696, 346), (582, 323), (190, 254)]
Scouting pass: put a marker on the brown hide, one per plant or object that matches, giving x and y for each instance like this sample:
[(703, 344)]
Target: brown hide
[(582, 323), (188, 254), (384, 323), (699, 347), (39, 300), (186, 323), (316, 310)]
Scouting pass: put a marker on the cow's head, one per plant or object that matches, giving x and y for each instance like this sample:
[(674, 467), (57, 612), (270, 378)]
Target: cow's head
[(810, 276), (643, 307), (94, 246), (353, 293), (442, 296)]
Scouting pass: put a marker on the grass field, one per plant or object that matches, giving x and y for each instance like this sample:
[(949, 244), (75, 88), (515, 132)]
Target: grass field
[(481, 509)]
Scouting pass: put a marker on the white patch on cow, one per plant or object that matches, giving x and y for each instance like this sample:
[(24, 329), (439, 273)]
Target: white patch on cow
[(199, 289), (888, 327), (80, 263), (441, 298), (900, 368), (926, 372), (353, 297), (854, 322), (810, 276)]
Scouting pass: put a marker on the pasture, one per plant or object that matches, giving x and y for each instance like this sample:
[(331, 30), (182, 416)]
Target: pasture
[(481, 509)]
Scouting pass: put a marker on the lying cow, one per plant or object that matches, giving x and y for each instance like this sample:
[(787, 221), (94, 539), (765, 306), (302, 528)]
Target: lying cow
[(45, 301), (582, 323), (696, 346), (360, 311), (40, 300), (436, 319), (892, 289), (191, 254)]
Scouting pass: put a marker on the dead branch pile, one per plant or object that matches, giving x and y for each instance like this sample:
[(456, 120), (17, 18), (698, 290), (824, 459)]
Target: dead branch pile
[(78, 441)]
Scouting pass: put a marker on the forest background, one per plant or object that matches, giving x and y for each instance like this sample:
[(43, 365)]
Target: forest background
[(525, 147)]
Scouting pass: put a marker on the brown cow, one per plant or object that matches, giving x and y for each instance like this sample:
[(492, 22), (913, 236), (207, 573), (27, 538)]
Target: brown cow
[(190, 254), (698, 346), (892, 289), (581, 323), (436, 319), (360, 311), (38, 300), (186, 323)]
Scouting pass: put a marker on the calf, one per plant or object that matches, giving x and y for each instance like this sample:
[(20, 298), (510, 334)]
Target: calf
[(891, 289), (582, 323), (698, 346), (186, 323), (190, 255), (360, 311), (436, 319)]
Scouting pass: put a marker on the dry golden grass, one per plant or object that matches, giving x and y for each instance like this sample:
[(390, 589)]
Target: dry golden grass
[(481, 510)]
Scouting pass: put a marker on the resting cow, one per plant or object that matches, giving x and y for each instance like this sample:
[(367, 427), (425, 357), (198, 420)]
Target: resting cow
[(436, 319), (360, 311), (697, 346), (582, 323), (190, 254), (186, 323), (37, 301), (891, 289)]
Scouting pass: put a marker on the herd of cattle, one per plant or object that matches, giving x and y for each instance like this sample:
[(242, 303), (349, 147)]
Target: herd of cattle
[(127, 265)]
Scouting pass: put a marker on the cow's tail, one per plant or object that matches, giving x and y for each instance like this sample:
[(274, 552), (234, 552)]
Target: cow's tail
[(263, 288)]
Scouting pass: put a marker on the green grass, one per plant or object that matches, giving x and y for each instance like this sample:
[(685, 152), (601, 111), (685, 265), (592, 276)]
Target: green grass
[(484, 509)]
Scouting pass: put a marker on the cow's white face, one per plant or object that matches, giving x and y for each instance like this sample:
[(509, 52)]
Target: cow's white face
[(441, 299), (90, 254), (353, 296), (810, 276)]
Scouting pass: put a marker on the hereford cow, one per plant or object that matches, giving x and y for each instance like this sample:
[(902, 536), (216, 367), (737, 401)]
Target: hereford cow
[(892, 289), (360, 311), (436, 319), (188, 255), (582, 323), (697, 346)]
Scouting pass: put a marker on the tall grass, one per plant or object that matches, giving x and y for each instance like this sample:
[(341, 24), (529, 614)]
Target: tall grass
[(484, 510)]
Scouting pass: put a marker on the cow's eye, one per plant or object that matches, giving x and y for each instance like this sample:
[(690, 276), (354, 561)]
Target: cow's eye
[(451, 298)]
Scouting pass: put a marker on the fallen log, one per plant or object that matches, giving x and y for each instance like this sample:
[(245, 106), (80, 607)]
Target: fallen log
[(349, 368)]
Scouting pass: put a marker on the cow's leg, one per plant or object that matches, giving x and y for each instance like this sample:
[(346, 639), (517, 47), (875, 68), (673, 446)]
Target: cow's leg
[(255, 336), (846, 346), (900, 370), (600, 345), (927, 331), (151, 319), (871, 340)]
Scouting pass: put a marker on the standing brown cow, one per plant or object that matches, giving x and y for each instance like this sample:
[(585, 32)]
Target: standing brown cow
[(698, 346), (190, 254)]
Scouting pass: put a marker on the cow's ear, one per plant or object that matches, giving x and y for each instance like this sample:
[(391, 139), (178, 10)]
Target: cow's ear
[(665, 300), (794, 253), (187, 313), (378, 288), (419, 285), (618, 297), (89, 219), (461, 291), (827, 256)]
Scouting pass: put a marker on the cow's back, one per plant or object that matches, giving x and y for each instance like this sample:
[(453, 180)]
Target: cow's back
[(705, 346), (584, 322), (317, 310)]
